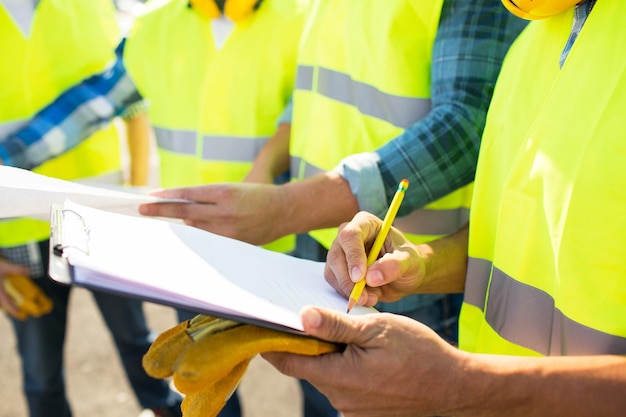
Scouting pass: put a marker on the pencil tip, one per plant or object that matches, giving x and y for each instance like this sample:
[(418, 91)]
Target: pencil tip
[(351, 304)]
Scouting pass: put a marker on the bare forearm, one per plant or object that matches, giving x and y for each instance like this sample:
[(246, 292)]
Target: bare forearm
[(273, 159), (315, 203), (445, 262), (546, 386)]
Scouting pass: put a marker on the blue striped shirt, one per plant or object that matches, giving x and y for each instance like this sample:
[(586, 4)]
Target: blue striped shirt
[(72, 117)]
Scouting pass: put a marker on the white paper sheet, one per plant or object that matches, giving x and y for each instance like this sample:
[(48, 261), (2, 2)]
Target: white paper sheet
[(188, 267), (26, 194)]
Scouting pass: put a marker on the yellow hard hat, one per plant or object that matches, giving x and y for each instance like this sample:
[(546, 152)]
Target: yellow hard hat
[(236, 10), (538, 9)]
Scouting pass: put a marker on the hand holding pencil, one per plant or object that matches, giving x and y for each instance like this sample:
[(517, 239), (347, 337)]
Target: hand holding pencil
[(380, 239)]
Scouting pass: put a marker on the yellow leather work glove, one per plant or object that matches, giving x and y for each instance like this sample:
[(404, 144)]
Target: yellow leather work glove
[(27, 296), (207, 358)]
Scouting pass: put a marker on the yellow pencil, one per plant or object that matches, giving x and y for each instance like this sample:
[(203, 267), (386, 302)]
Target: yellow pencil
[(380, 239)]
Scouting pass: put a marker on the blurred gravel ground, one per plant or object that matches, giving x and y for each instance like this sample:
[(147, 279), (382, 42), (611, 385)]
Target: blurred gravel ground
[(96, 384)]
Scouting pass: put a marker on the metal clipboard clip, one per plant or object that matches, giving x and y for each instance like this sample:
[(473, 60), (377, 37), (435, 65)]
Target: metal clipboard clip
[(72, 232), (68, 231)]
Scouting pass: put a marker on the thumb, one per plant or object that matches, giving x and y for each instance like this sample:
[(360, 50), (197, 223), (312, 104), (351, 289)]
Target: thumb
[(331, 325)]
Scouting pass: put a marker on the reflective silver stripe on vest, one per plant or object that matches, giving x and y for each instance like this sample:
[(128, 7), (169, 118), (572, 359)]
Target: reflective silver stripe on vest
[(433, 222), (397, 110), (231, 148), (301, 169), (527, 316), (477, 282), (177, 141), (214, 148)]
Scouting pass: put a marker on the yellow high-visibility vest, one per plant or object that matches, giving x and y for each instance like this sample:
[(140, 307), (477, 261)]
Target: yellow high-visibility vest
[(40, 65), (546, 272), (213, 110), (352, 98)]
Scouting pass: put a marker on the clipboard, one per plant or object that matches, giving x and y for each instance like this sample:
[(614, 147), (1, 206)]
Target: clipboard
[(222, 277), (59, 268)]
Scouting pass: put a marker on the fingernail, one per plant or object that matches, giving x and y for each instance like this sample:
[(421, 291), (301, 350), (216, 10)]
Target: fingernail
[(356, 274), (313, 318)]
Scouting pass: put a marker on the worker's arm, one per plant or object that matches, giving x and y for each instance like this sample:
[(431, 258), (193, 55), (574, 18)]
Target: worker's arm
[(273, 159), (138, 137), (393, 365), (71, 118)]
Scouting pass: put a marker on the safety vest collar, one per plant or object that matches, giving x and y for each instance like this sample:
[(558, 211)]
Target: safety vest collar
[(22, 14)]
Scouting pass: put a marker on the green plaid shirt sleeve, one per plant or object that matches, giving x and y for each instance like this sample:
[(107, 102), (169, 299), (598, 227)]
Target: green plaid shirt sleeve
[(438, 154)]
